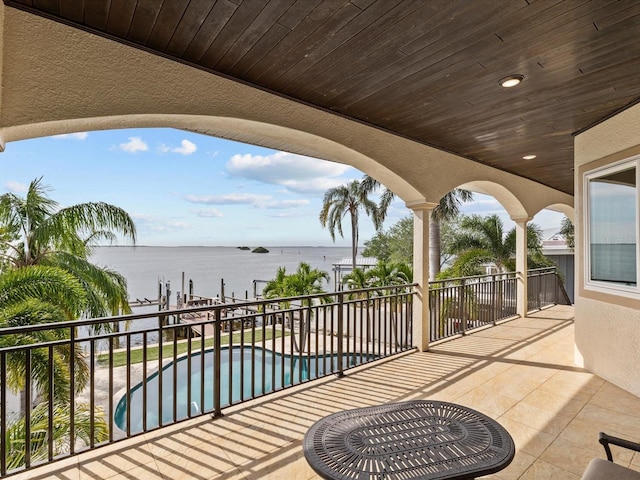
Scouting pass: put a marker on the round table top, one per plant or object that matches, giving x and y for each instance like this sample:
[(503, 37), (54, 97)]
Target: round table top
[(421, 439)]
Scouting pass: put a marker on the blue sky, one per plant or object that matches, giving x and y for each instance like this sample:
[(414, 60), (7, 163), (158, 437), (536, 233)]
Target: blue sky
[(187, 189)]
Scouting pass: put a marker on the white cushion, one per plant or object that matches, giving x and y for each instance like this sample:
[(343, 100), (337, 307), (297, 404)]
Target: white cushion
[(605, 470)]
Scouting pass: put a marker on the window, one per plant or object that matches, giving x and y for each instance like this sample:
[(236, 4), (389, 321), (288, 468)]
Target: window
[(611, 228)]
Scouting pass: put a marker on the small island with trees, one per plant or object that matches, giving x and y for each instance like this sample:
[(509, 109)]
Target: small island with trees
[(260, 250)]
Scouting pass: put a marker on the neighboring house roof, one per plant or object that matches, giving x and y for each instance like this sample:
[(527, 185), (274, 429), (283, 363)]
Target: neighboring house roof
[(555, 244), (360, 262)]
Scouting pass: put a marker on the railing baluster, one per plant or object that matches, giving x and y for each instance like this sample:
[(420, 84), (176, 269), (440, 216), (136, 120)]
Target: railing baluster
[(92, 391), (50, 402), (145, 392), (128, 379), (3, 414), (174, 387), (230, 379), (27, 408), (203, 340), (190, 370), (111, 411), (160, 356), (72, 390), (340, 371), (217, 367)]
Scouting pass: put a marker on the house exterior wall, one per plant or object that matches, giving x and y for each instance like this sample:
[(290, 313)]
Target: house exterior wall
[(607, 326)]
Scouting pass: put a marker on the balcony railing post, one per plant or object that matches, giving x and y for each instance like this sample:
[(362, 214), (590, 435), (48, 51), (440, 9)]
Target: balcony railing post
[(217, 364), (340, 372), (72, 390), (3, 414), (463, 309)]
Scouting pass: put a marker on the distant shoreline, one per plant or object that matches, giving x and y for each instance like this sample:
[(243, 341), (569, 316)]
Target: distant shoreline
[(225, 246)]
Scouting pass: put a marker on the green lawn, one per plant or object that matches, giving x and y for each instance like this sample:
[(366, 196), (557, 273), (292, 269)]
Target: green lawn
[(120, 357)]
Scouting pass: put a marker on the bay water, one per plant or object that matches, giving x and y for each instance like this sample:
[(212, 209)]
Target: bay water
[(145, 267)]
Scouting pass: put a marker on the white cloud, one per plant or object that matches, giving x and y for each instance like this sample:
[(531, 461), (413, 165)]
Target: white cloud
[(296, 172), (228, 199), (208, 213), (258, 201), (16, 187), (72, 136), (283, 204), (135, 144), (157, 224), (186, 148), (315, 186)]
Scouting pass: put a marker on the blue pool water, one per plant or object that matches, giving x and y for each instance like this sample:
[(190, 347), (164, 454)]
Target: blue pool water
[(296, 369)]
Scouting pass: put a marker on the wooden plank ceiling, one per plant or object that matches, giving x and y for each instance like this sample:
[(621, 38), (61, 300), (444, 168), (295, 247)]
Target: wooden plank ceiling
[(426, 70)]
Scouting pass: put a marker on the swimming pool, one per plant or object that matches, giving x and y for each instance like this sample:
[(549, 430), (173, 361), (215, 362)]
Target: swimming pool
[(296, 368)]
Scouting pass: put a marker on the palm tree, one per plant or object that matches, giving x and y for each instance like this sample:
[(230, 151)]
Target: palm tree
[(567, 231), (348, 199), (34, 295), (61, 434), (39, 294), (37, 232), (369, 185), (356, 280), (447, 209), (385, 273), (482, 240), (305, 281)]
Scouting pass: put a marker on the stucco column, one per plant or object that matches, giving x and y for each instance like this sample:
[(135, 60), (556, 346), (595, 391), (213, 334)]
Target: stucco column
[(521, 264), (421, 213)]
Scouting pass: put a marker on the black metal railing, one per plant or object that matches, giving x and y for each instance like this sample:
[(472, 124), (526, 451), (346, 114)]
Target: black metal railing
[(458, 305), (545, 288), (80, 385)]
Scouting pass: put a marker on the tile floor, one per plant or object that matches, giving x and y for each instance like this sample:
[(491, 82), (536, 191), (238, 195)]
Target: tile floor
[(520, 373)]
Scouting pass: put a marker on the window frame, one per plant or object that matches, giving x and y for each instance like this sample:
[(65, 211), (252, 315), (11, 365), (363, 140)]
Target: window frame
[(615, 288)]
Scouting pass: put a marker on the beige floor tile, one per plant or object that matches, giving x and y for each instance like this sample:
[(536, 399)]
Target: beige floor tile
[(286, 463), (521, 462), (513, 383), (66, 469), (574, 379), (614, 398), (486, 400), (142, 472), (609, 420), (567, 455), (538, 418), (542, 470), (201, 461), (556, 403), (117, 463), (527, 439), (586, 435)]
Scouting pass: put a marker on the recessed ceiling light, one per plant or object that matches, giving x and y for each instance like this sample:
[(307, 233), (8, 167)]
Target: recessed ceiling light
[(529, 157), (511, 81)]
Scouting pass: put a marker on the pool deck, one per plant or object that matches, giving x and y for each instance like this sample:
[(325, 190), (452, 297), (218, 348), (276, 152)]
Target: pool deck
[(520, 373)]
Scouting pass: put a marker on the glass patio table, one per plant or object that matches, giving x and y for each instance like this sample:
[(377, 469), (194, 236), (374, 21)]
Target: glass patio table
[(421, 439)]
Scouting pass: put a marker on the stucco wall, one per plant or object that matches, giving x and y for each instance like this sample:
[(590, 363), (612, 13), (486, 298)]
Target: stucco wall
[(607, 327)]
